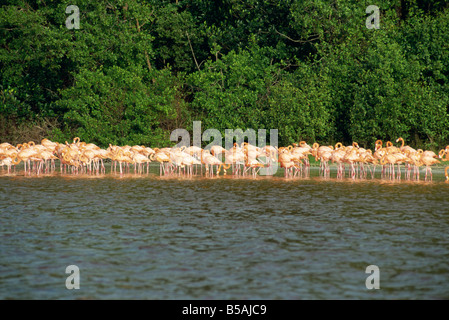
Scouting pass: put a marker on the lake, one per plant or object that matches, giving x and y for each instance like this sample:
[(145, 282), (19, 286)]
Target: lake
[(150, 237)]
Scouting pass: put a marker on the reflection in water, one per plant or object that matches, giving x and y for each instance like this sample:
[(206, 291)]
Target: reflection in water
[(152, 237), (154, 170)]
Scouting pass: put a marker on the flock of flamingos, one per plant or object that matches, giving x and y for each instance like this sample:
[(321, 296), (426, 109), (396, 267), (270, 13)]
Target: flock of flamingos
[(244, 159)]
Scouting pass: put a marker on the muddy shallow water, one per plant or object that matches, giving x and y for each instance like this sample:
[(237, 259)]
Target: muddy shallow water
[(147, 237)]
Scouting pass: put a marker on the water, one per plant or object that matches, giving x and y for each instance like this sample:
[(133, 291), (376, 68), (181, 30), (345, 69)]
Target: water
[(147, 237)]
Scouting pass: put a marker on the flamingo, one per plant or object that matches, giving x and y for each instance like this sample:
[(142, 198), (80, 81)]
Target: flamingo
[(446, 151), (270, 154), (235, 157), (441, 155), (391, 148), (194, 151), (8, 162), (428, 161), (351, 157), (26, 152), (369, 158), (337, 156), (251, 162), (190, 160), (429, 153), (217, 150), (317, 152), (301, 153), (138, 160), (47, 156), (162, 158), (391, 159), (81, 155), (404, 148), (50, 145), (286, 161), (209, 161), (8, 154)]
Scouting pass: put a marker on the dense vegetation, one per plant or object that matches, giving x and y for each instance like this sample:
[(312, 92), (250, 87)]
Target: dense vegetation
[(136, 70)]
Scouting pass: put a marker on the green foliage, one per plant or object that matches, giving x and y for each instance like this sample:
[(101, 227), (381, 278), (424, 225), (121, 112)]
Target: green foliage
[(136, 70), (118, 106)]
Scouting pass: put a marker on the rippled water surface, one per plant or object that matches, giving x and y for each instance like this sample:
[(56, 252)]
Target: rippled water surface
[(147, 237)]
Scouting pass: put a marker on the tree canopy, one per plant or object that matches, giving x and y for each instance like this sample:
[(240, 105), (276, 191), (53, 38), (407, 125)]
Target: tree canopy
[(136, 70)]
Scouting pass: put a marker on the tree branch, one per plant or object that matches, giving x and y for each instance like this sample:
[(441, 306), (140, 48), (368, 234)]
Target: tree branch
[(193, 53), (297, 41), (147, 58)]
